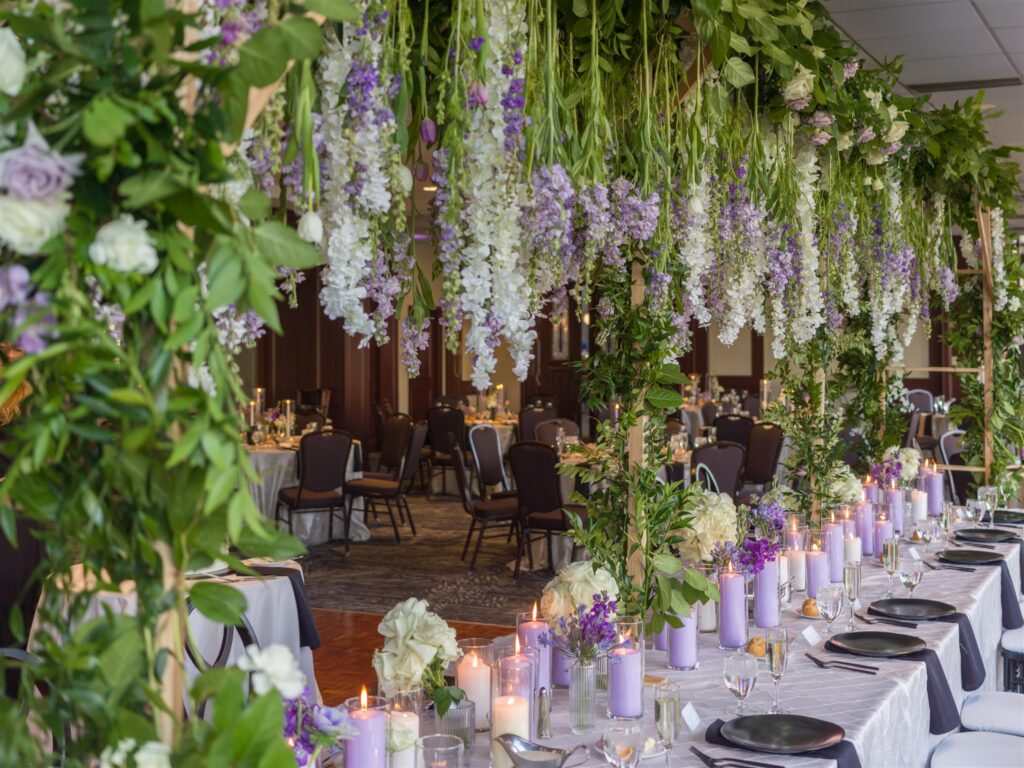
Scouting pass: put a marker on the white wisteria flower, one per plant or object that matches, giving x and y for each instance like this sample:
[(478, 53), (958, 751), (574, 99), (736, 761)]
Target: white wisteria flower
[(714, 520), (999, 292), (800, 86), (311, 228), (574, 586), (273, 668), (124, 245), (12, 63), (27, 225), (201, 377), (413, 637), (117, 756)]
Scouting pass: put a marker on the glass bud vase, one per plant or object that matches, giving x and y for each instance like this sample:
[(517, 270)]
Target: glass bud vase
[(582, 695)]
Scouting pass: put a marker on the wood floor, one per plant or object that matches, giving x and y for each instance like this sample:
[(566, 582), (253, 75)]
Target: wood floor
[(343, 662)]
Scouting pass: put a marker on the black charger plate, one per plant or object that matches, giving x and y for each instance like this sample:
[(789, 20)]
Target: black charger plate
[(986, 535), (969, 557), (782, 734), (883, 645), (912, 609)]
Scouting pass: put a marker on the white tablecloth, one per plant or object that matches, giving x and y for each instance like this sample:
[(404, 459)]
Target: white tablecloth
[(278, 468), (885, 716)]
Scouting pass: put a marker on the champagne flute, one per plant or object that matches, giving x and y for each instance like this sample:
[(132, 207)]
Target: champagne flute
[(740, 672), (851, 581), (910, 575), (830, 599), (623, 745), (989, 496), (777, 648), (890, 561), (667, 714)]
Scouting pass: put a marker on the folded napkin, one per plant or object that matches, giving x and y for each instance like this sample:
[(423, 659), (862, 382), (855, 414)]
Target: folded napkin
[(972, 668), (945, 715), (1012, 617), (844, 753), (308, 636)]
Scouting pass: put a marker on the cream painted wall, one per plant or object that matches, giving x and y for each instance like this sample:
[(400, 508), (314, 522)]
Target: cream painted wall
[(734, 360), (916, 355)]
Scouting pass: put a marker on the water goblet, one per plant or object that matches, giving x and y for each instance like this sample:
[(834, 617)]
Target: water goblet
[(440, 751), (851, 582), (777, 649), (623, 745), (740, 671), (890, 561), (989, 496), (560, 440), (668, 714), (910, 575), (831, 599)]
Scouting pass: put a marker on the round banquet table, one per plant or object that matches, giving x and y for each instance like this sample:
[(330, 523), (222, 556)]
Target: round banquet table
[(278, 468), (694, 420), (885, 716)]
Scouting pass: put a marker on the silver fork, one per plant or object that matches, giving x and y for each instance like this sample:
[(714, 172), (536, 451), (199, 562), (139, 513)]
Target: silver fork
[(882, 620), (847, 665)]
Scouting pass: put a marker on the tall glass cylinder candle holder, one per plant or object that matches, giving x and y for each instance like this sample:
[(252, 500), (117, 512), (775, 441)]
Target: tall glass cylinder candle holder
[(529, 629), (793, 536), (404, 708), (368, 748), (626, 671), (766, 595), (707, 612), (682, 642), (844, 516), (798, 568), (894, 498), (440, 751), (288, 410), (260, 396), (513, 676), (732, 610), (866, 526), (817, 565), (473, 675), (832, 532), (883, 529)]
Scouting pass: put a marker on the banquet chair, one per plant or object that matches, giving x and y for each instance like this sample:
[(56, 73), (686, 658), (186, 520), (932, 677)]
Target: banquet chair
[(976, 749), (910, 436), (673, 426), (313, 400), (951, 446), (483, 513), (530, 417), (485, 445), (921, 400), (915, 436), (734, 429), (542, 509), (542, 401), (723, 461), (762, 459), (708, 413), (451, 401), (752, 405), (20, 587), (547, 431), (323, 458), (397, 490), (443, 420), (1011, 648), (393, 442), (246, 635), (993, 712)]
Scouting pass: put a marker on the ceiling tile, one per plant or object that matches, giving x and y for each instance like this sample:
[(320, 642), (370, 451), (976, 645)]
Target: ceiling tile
[(1002, 13), (956, 69), (1017, 57), (921, 19), (1012, 38), (837, 6), (961, 42)]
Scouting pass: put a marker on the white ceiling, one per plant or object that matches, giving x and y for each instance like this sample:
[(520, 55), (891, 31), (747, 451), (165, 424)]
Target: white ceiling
[(960, 45)]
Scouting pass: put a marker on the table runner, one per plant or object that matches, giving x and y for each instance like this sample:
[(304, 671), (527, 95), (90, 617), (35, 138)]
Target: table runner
[(308, 635), (844, 753)]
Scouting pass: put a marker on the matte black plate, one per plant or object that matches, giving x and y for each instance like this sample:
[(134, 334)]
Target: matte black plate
[(782, 734), (986, 535), (1009, 517), (884, 645), (912, 608), (969, 557)]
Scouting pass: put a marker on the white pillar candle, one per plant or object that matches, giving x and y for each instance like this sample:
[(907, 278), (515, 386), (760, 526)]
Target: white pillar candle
[(509, 714), (406, 757), (852, 549), (707, 620), (919, 505), (798, 565), (474, 677), (784, 576)]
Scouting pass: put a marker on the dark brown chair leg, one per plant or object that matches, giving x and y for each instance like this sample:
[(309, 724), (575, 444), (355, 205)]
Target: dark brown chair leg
[(519, 552), (391, 514), (551, 552), (404, 501), (469, 537), (476, 549), (348, 522)]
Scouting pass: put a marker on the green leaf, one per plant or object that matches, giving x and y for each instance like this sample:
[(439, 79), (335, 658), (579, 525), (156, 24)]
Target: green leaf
[(301, 37), (663, 399), (104, 122), (739, 44), (127, 396), (663, 562), (254, 204), (148, 187), (709, 8), (218, 602), (200, 211), (335, 10), (738, 72), (281, 245)]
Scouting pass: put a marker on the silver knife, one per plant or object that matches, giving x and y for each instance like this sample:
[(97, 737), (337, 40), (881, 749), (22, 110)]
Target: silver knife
[(715, 762)]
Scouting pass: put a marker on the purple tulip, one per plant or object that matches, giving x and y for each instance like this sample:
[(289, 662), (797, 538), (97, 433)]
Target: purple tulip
[(420, 172), (477, 94), (428, 131)]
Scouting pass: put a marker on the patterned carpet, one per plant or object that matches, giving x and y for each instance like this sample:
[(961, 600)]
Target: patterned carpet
[(381, 572)]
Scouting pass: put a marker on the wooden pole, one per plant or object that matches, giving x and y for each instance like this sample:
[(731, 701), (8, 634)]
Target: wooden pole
[(635, 446), (985, 237)]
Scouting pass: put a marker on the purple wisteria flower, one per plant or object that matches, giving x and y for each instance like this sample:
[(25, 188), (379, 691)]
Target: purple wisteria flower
[(948, 286), (753, 554), (310, 728), (887, 472), (724, 556), (31, 319), (414, 339), (768, 519), (33, 171), (476, 43), (850, 69), (512, 103), (589, 633)]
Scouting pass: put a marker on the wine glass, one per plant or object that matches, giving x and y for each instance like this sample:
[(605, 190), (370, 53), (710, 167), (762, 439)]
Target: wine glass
[(623, 745), (667, 714), (740, 672), (989, 496), (910, 575), (851, 582), (258, 436), (560, 440), (830, 599), (777, 648), (890, 561)]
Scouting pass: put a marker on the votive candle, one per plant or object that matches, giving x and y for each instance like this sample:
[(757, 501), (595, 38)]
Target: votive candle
[(368, 748), (894, 498)]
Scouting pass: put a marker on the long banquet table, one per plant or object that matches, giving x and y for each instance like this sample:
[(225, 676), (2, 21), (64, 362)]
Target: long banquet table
[(886, 716)]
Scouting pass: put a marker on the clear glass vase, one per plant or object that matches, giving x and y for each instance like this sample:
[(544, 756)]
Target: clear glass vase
[(459, 720), (582, 696)]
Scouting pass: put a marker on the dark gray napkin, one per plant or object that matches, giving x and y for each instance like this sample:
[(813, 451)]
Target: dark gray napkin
[(308, 636), (945, 715), (972, 668), (1012, 617), (844, 753)]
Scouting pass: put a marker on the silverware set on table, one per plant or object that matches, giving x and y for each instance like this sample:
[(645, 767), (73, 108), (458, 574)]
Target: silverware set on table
[(849, 666), (949, 567), (879, 620), (729, 762)]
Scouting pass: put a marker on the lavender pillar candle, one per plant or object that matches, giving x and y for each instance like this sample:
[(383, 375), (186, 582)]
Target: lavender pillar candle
[(870, 490), (732, 620), (530, 630), (682, 642), (368, 748), (883, 531), (866, 527), (626, 682), (833, 535), (817, 571), (560, 664), (894, 498), (661, 642), (766, 595), (933, 484)]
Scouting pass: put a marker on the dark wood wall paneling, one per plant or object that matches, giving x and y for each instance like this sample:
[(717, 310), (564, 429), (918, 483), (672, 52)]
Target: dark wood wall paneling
[(556, 377)]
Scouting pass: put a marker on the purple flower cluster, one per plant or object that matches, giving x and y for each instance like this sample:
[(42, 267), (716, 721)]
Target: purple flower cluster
[(612, 217), (33, 171), (444, 230), (768, 519), (948, 286), (588, 633), (820, 119), (724, 556), (798, 105), (236, 22), (850, 69), (548, 224), (266, 160), (414, 339), (752, 554), (309, 727), (512, 103), (887, 471), (31, 319), (865, 134)]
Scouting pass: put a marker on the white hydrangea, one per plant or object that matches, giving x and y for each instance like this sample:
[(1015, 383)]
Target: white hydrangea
[(273, 668), (845, 486), (574, 586), (27, 225), (124, 245), (201, 377), (714, 520)]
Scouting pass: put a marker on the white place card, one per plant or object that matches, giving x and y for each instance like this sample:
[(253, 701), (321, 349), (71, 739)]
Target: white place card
[(690, 717), (810, 634), (914, 554)]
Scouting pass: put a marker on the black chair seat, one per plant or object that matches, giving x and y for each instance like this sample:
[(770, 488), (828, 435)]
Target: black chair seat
[(554, 520), (310, 499), (388, 476), (506, 508), (370, 486)]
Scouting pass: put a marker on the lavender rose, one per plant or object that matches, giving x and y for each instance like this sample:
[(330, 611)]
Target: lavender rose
[(35, 172)]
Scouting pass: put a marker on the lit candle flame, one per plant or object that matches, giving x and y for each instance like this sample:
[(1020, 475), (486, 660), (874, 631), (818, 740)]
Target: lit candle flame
[(534, 610), (517, 644), (475, 660), (892, 483), (363, 698)]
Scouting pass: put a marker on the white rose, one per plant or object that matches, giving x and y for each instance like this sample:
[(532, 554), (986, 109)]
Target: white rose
[(555, 603), (27, 225), (273, 667), (153, 754), (117, 757), (874, 98), (311, 228), (800, 86), (124, 246), (12, 63), (897, 131), (844, 140)]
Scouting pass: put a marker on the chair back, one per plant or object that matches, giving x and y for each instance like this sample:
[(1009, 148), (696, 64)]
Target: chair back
[(951, 447), (535, 469), (921, 400), (709, 412), (485, 444), (724, 461), (705, 479), (459, 465), (19, 577), (313, 400), (530, 417), (673, 427), (910, 438), (246, 635), (763, 449), (451, 401), (752, 405), (394, 441), (323, 457), (444, 420), (542, 401), (734, 429), (547, 431), (411, 461)]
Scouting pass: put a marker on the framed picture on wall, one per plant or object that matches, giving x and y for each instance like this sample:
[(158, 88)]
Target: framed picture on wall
[(560, 337)]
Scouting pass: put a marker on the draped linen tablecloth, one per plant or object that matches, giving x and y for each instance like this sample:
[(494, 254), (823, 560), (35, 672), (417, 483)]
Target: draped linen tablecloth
[(885, 716), (279, 468)]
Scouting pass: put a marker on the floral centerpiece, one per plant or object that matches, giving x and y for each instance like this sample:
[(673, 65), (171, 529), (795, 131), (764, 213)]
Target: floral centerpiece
[(574, 587), (758, 555), (898, 465), (714, 521), (845, 486)]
